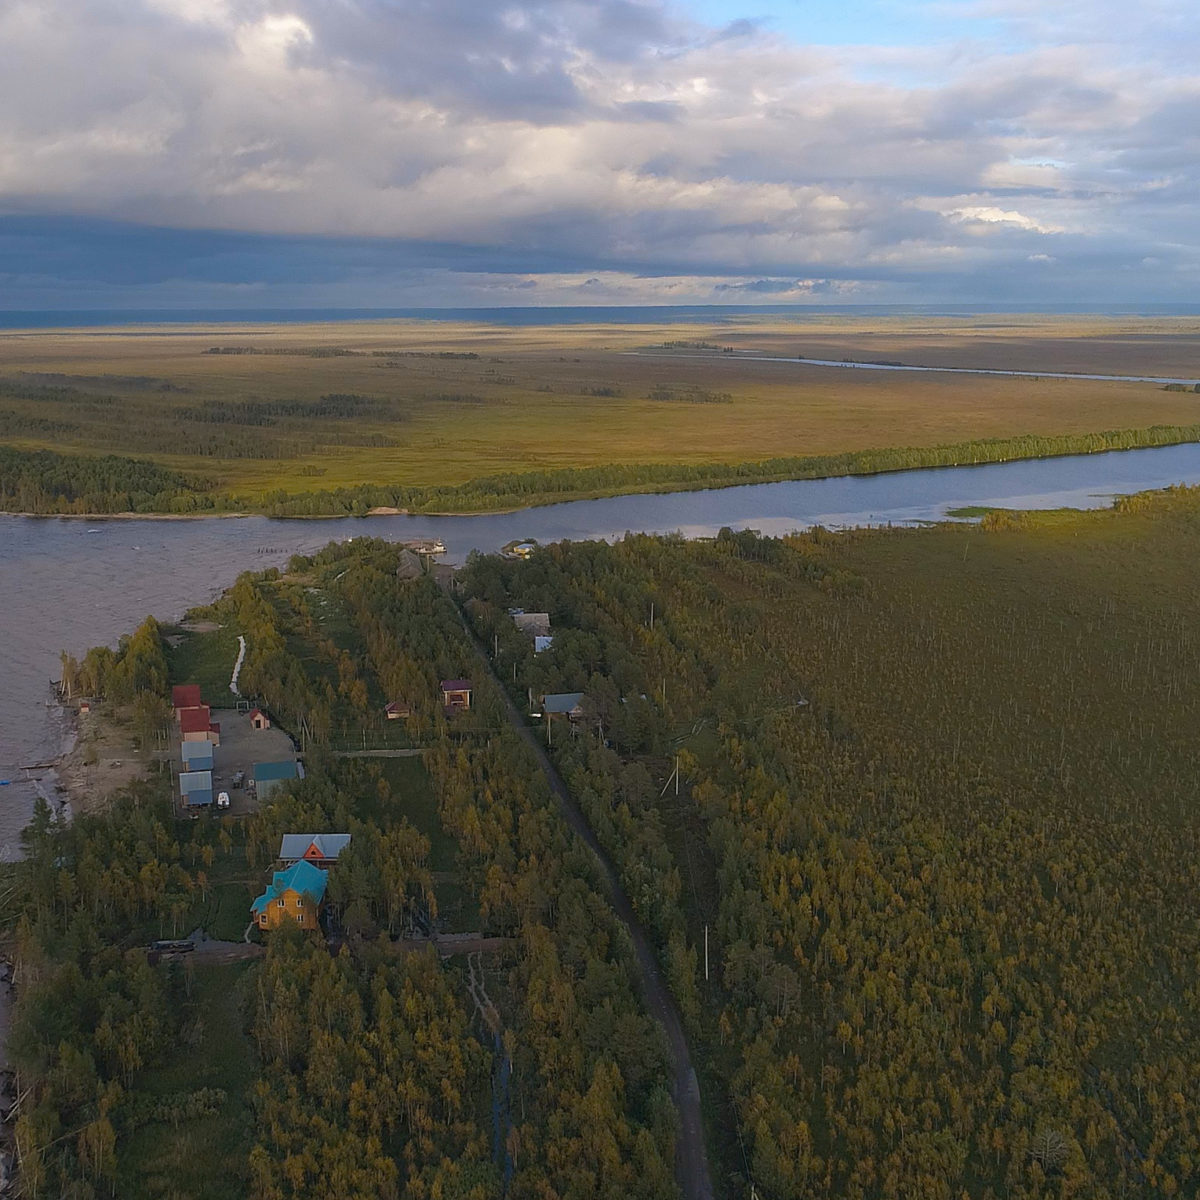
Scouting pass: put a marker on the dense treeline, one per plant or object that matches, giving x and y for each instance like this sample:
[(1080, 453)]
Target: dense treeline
[(591, 1113), (90, 1013), (47, 482), (939, 789), (42, 481)]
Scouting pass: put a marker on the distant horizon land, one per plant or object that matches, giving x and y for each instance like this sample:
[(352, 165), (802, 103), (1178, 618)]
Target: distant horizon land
[(648, 314)]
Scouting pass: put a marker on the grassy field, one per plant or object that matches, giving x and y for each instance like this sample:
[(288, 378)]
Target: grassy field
[(313, 408)]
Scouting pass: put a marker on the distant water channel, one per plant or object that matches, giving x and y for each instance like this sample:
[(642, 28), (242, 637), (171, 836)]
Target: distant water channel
[(70, 584)]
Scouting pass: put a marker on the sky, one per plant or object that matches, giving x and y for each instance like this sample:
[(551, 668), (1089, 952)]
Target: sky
[(444, 153)]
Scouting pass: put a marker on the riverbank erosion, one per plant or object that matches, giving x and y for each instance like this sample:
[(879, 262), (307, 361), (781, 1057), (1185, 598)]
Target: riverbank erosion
[(45, 483)]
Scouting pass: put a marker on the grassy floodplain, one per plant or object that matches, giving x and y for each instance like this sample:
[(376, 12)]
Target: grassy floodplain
[(283, 411)]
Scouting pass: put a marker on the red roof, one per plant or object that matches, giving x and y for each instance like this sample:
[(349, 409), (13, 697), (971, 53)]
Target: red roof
[(456, 685), (195, 720), (256, 712), (186, 695)]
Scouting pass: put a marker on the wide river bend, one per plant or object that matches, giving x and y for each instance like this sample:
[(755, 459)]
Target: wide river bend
[(67, 584)]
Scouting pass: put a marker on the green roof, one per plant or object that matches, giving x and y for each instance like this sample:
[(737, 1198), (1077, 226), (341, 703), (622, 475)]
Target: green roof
[(300, 877), (288, 769)]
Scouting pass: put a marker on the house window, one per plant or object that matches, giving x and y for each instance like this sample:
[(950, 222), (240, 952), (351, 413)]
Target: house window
[(282, 903), (299, 901)]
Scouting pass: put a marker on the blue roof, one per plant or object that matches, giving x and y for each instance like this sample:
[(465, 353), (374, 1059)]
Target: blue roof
[(287, 769), (300, 877)]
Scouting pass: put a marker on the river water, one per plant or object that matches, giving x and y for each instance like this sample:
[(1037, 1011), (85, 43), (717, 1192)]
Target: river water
[(67, 584)]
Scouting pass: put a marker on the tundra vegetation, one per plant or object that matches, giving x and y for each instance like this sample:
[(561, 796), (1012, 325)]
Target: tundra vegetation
[(432, 416)]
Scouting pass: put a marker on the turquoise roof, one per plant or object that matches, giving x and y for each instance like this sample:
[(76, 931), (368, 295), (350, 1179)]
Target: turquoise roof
[(300, 877), (288, 769)]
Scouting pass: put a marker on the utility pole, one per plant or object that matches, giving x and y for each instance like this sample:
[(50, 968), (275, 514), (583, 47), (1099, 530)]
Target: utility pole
[(495, 645), (677, 775), (651, 616), (705, 953)]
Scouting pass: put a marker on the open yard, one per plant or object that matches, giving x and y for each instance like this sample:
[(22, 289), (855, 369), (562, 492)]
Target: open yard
[(307, 408)]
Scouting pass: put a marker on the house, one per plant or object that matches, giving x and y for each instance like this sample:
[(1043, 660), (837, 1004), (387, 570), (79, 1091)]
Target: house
[(195, 725), (296, 894), (195, 788), (398, 709), (523, 549), (197, 756), (542, 643), (185, 695), (320, 849), (569, 704), (456, 694), (532, 624), (259, 719), (269, 775)]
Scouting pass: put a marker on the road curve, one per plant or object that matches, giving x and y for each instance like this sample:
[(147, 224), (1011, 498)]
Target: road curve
[(691, 1157)]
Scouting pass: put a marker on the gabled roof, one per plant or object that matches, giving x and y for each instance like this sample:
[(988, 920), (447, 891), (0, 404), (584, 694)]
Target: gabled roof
[(195, 720), (194, 750), (397, 706), (288, 769), (300, 877), (256, 712), (562, 702), (297, 845), (456, 685), (195, 781), (186, 695)]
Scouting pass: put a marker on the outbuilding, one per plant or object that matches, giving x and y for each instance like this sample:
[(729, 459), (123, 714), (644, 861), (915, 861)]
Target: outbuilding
[(196, 788), (197, 756), (568, 704), (259, 719), (269, 775), (397, 710)]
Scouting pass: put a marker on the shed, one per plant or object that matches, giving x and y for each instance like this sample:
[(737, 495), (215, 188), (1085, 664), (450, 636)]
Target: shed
[(320, 849), (269, 775), (397, 709), (196, 788), (197, 756), (568, 704), (259, 719), (456, 694), (85, 707), (542, 643)]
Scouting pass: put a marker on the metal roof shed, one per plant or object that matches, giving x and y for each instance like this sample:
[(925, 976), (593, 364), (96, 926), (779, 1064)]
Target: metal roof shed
[(195, 788)]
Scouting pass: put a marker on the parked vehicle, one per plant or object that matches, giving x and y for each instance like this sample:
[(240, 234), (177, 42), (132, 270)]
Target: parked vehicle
[(223, 800), (239, 777)]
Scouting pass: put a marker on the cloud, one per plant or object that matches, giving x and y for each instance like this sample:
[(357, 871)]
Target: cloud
[(607, 136)]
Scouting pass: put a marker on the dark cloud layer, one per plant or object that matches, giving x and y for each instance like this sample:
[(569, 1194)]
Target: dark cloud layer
[(462, 150)]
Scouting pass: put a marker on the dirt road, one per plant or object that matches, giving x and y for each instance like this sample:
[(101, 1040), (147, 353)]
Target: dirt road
[(691, 1158)]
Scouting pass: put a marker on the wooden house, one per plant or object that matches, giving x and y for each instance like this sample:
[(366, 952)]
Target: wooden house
[(196, 725), (567, 704), (456, 695), (259, 719), (296, 896), (398, 710), (320, 849)]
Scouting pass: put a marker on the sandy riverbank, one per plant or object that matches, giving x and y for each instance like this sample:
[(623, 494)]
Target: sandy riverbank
[(102, 761)]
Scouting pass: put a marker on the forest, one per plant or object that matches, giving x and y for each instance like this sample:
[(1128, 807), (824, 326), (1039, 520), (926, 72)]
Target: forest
[(378, 1070), (934, 805)]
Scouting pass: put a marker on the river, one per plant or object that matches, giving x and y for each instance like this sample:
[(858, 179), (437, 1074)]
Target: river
[(70, 584)]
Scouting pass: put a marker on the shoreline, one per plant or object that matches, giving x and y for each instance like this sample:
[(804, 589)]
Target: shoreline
[(652, 488)]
